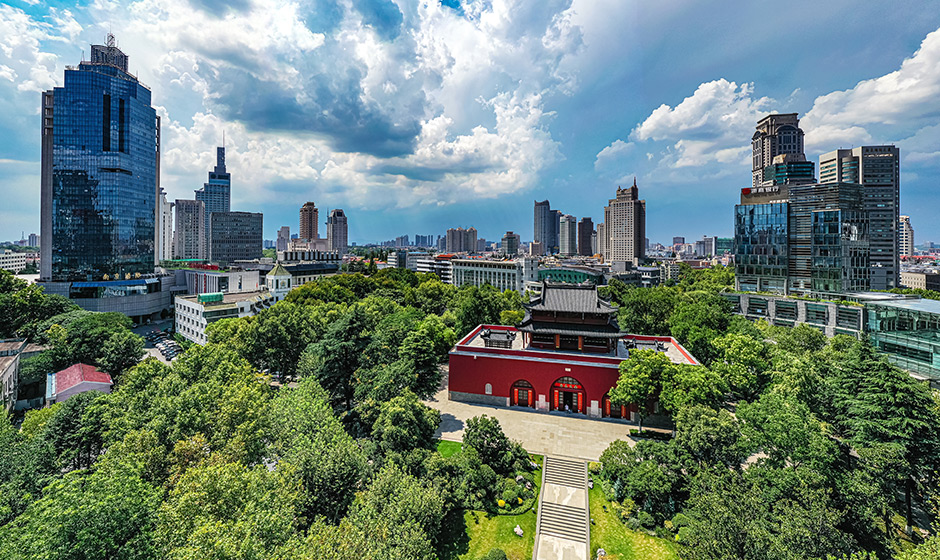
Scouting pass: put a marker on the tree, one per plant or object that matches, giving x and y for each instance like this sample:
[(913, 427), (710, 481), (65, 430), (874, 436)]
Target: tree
[(336, 357), (641, 378), (740, 361), (27, 464), (434, 297), (650, 474), (422, 350), (476, 306), (691, 386), (228, 510), (484, 434), (120, 352), (327, 461), (77, 439), (712, 438), (275, 339), (646, 310), (697, 320), (405, 423)]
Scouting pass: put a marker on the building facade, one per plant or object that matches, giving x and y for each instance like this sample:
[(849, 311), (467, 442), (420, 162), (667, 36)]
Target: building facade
[(165, 229), (283, 238), (461, 240), (195, 313), (440, 265), (564, 356), (546, 227), (190, 235), (905, 237), (216, 194), (337, 231), (503, 275), (775, 135), (99, 181), (510, 244), (309, 222), (625, 227), (235, 236), (586, 237), (14, 262), (877, 169), (568, 235)]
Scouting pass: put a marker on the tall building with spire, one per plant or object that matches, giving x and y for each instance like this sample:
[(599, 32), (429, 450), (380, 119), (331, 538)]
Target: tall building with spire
[(625, 227), (99, 183), (216, 194)]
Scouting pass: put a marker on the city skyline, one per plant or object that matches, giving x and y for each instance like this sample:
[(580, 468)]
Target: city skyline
[(473, 137)]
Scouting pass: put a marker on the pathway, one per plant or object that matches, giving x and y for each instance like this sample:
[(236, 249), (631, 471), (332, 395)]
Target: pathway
[(563, 530)]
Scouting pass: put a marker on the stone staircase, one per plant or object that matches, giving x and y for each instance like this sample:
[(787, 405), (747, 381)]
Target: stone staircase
[(563, 526)]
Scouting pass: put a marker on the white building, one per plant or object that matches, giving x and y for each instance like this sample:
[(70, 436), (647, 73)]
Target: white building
[(194, 313), (504, 275), (567, 235), (442, 267), (14, 262), (279, 282), (625, 227), (164, 247)]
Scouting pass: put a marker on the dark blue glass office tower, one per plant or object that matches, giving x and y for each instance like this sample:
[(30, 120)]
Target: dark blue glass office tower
[(100, 153)]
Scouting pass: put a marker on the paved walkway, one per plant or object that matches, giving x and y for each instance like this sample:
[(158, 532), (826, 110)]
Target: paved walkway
[(563, 530), (543, 433)]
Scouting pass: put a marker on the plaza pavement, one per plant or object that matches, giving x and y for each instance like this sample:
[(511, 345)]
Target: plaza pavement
[(543, 433)]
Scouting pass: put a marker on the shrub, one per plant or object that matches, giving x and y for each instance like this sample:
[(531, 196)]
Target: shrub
[(494, 554), (646, 519)]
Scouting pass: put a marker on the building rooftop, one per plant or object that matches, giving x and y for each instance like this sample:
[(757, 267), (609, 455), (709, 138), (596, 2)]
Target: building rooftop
[(229, 298), (569, 298), (11, 346), (921, 305), (78, 373)]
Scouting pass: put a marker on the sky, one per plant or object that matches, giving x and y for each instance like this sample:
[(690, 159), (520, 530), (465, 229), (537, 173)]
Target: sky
[(418, 116)]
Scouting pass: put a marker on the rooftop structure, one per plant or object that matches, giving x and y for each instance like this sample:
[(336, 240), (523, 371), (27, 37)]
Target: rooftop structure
[(75, 379)]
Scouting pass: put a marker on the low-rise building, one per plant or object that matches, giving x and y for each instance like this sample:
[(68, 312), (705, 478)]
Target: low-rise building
[(440, 265), (289, 257), (14, 262), (75, 379), (502, 274), (565, 355), (147, 298), (9, 372), (920, 280), (194, 313)]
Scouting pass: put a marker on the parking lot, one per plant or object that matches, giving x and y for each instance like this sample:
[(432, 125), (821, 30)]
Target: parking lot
[(157, 342)]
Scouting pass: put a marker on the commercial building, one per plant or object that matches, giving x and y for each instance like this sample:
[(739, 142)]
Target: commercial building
[(406, 259), (99, 181), (147, 298), (194, 313), (905, 237), (510, 244), (283, 238), (337, 231), (309, 222), (776, 135), (602, 240), (216, 194), (14, 262), (625, 227), (829, 317), (190, 236), (920, 280), (565, 355), (211, 281), (789, 169), (503, 275), (235, 236), (165, 229), (546, 227), (286, 257), (586, 237), (461, 240), (568, 235)]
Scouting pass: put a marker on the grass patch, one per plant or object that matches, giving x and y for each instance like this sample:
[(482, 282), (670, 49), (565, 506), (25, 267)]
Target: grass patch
[(468, 535), (448, 448), (620, 542)]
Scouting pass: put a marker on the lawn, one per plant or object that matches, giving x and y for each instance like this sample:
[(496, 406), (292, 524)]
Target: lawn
[(448, 448), (469, 534), (620, 542)]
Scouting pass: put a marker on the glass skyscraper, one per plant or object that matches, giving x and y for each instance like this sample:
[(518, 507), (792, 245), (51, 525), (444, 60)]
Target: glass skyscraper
[(100, 152)]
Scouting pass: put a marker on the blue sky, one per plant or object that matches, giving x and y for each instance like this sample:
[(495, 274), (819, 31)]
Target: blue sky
[(415, 117)]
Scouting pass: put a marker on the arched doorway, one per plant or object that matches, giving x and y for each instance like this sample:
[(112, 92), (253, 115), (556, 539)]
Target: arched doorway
[(613, 411), (522, 394), (568, 395)]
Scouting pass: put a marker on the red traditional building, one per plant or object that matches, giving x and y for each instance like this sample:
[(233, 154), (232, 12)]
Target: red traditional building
[(565, 355)]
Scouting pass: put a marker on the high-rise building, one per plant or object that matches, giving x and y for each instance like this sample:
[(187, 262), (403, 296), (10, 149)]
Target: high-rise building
[(309, 222), (216, 195), (775, 135), (787, 169), (905, 236), (283, 237), (568, 235), (337, 231), (235, 236), (546, 226), (585, 237), (190, 235), (33, 240), (510, 243), (877, 169), (98, 194), (625, 226), (601, 245), (678, 240), (165, 229), (461, 240)]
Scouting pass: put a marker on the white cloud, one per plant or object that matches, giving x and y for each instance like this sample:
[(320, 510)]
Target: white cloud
[(612, 155), (882, 109)]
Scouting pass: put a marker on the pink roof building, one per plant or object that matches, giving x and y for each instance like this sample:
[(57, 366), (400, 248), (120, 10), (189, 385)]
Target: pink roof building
[(75, 379)]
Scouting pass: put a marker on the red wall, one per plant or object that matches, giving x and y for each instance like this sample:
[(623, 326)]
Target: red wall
[(469, 375)]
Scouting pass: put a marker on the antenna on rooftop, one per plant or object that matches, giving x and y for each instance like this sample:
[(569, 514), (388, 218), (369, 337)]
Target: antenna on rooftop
[(110, 39)]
